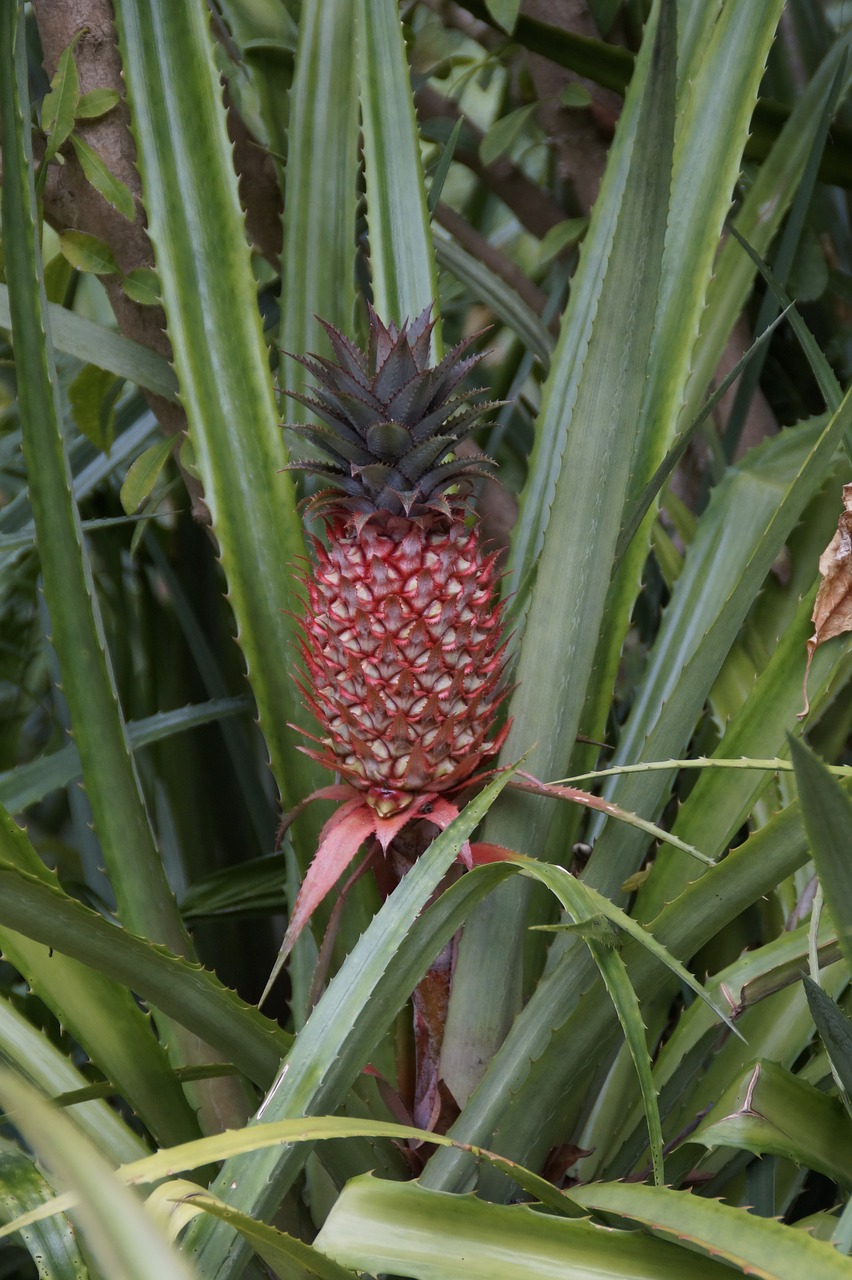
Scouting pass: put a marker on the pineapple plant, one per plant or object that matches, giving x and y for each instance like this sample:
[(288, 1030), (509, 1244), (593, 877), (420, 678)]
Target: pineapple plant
[(401, 634)]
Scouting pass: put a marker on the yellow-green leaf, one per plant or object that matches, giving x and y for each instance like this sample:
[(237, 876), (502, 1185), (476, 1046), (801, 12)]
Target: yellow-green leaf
[(504, 12), (93, 394), (96, 103), (143, 475), (143, 286), (575, 95), (503, 133), (88, 253), (113, 190), (60, 104), (560, 237)]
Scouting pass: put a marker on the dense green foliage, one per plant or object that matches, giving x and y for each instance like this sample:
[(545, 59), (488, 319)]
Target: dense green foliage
[(648, 1025)]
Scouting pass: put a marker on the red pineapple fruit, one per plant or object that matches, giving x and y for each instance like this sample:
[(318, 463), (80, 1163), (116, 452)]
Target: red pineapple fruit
[(402, 630)]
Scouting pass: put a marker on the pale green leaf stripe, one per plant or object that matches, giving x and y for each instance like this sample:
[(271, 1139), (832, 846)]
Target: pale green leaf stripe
[(144, 900), (93, 343), (760, 1246), (258, 1137), (402, 259), (121, 1237), (204, 265), (51, 1243), (318, 265), (374, 981), (404, 1229)]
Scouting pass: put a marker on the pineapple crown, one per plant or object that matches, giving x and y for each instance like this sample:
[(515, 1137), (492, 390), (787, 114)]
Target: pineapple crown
[(388, 420)]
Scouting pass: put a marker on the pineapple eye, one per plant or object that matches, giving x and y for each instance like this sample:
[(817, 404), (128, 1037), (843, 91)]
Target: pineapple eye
[(400, 766)]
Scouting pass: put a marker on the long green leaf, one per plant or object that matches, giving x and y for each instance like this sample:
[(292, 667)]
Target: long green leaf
[(121, 1237), (29, 1050), (749, 519), (571, 514), (340, 1034), (191, 1156), (566, 1027), (51, 1243), (584, 904), (758, 219), (717, 95), (758, 973), (94, 344), (402, 259), (404, 1229), (257, 1137), (28, 783), (828, 822), (111, 780), (102, 1015), (769, 1110), (758, 1246), (185, 992), (209, 295), (318, 267)]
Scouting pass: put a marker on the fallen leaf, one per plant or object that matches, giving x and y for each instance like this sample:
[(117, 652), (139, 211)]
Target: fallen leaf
[(832, 615)]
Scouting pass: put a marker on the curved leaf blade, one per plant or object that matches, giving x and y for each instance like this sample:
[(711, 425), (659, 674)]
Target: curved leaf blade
[(759, 1246), (405, 1229), (123, 1239)]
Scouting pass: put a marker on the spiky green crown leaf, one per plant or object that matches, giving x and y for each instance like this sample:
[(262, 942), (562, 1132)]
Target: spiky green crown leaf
[(389, 419)]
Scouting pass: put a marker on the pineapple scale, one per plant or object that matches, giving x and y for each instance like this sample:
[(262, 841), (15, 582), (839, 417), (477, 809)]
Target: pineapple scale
[(401, 643)]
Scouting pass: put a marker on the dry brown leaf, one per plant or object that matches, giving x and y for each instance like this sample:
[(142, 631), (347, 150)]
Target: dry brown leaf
[(832, 615)]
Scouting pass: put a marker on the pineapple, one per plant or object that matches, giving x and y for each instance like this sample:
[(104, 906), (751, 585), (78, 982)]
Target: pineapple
[(401, 637), (403, 657)]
